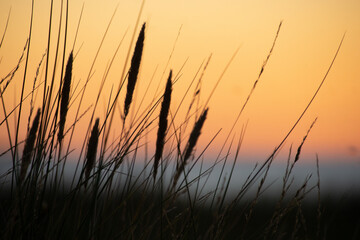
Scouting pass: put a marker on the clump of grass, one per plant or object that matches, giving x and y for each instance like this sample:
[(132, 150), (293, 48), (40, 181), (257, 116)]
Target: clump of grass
[(134, 70), (121, 203), (29, 147), (65, 93), (164, 111)]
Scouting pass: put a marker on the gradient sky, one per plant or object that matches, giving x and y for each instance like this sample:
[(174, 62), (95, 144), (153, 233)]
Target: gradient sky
[(310, 34)]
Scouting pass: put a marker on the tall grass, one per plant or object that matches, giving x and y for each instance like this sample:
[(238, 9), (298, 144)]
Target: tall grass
[(110, 196)]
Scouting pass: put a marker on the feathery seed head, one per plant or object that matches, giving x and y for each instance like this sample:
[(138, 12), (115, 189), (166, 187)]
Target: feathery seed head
[(29, 146), (65, 93), (164, 111), (92, 148), (195, 133), (134, 70)]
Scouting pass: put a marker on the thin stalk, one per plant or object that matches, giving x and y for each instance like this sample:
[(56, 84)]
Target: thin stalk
[(22, 89)]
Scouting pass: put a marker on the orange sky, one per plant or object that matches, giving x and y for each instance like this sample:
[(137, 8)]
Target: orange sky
[(309, 37)]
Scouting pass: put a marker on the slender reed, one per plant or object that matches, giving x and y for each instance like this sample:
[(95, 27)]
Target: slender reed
[(32, 100), (22, 92), (134, 70), (11, 74), (122, 78), (163, 123), (319, 208), (302, 143), (252, 89), (270, 158), (6, 25)]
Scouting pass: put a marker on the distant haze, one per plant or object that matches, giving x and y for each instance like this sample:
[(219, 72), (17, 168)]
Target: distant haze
[(307, 42)]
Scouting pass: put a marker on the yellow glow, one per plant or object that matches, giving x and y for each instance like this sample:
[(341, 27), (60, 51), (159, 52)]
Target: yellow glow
[(307, 42)]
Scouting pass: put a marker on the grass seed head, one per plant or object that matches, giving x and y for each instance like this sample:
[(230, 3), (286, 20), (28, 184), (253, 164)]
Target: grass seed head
[(194, 136), (29, 146), (134, 70), (160, 141), (92, 148), (65, 93)]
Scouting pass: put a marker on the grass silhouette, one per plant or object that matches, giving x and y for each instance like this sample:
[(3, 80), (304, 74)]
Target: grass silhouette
[(109, 196)]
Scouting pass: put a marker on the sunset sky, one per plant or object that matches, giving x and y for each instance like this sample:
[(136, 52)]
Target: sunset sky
[(309, 37)]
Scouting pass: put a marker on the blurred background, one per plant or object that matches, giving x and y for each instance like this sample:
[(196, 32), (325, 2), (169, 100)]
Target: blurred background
[(181, 35)]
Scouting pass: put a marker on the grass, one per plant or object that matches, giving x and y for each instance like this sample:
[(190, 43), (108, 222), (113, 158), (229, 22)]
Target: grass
[(110, 197)]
